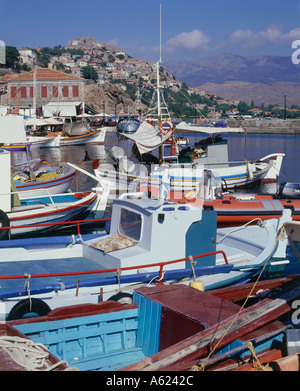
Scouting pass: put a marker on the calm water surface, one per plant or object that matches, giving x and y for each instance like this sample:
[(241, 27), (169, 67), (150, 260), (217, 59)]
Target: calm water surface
[(256, 147)]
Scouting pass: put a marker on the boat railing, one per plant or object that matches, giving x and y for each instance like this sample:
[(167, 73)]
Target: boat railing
[(45, 193), (118, 271), (46, 196), (61, 223)]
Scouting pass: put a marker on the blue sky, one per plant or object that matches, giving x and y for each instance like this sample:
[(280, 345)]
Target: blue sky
[(191, 29)]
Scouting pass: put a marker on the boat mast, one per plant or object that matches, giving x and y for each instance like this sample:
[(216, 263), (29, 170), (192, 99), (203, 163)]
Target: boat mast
[(157, 73)]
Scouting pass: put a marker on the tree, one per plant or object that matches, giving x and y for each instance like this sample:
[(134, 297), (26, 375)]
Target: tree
[(243, 108), (12, 56), (89, 73)]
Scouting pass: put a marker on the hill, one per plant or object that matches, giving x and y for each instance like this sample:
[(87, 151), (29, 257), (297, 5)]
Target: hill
[(91, 43), (263, 79)]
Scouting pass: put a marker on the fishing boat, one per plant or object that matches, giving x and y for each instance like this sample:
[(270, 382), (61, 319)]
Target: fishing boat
[(46, 213), (16, 147), (20, 353), (38, 177), (172, 327), (230, 332), (93, 137), (236, 208), (80, 133), (36, 207), (128, 123), (184, 164), (43, 141), (132, 255)]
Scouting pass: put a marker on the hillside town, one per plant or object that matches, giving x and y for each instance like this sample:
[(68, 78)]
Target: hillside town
[(108, 80)]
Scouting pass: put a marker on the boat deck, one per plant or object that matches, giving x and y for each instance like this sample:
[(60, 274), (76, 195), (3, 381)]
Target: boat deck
[(193, 311)]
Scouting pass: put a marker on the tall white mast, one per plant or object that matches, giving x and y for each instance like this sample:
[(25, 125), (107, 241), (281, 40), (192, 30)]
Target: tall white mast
[(157, 72)]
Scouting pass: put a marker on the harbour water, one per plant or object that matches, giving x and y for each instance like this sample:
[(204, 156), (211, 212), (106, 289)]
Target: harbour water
[(254, 147)]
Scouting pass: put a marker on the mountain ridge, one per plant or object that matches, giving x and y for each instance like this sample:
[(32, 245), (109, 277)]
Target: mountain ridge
[(221, 74)]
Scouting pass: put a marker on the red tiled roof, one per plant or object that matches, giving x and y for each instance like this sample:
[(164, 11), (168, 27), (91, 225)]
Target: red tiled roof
[(44, 74)]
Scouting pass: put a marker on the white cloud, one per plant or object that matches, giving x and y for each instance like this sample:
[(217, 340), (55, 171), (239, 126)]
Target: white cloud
[(193, 40), (272, 35), (114, 42)]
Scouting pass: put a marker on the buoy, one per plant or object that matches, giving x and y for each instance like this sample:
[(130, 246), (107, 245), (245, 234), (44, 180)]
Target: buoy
[(197, 284)]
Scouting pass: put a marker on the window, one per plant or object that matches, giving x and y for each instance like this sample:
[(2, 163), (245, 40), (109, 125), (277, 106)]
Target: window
[(44, 91), (13, 92), (31, 92), (75, 90), (65, 91), (54, 92), (23, 92), (130, 224)]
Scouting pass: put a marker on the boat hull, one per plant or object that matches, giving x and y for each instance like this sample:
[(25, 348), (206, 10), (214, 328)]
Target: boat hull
[(91, 137), (128, 125), (57, 209), (55, 184)]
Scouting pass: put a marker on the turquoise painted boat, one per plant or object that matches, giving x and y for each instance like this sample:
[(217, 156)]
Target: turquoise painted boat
[(166, 328)]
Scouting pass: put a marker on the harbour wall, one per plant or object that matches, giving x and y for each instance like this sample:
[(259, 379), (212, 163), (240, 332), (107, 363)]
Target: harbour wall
[(267, 126)]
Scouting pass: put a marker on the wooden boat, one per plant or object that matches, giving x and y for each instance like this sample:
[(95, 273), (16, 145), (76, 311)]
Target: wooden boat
[(45, 213), (226, 330), (134, 249), (170, 327), (93, 137), (27, 214), (43, 141), (16, 147), (128, 123), (20, 353), (37, 177)]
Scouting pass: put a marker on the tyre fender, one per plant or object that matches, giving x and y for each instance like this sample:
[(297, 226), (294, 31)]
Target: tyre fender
[(27, 306), (121, 297)]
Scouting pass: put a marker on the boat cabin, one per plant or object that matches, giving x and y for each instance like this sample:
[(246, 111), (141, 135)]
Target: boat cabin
[(155, 231), (210, 151)]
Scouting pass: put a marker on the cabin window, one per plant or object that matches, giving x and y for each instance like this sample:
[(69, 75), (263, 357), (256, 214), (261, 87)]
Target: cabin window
[(130, 224), (161, 218)]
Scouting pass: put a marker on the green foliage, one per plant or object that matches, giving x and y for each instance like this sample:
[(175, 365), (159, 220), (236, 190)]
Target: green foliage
[(12, 57), (243, 108), (89, 73)]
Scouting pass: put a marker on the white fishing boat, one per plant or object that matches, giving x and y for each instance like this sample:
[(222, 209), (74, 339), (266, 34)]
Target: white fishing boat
[(128, 123), (184, 170), (150, 241), (185, 166)]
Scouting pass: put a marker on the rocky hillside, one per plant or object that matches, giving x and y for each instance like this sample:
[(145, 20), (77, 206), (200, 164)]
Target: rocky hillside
[(109, 97)]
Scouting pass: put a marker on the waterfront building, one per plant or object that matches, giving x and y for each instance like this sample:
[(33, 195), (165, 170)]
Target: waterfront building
[(51, 86)]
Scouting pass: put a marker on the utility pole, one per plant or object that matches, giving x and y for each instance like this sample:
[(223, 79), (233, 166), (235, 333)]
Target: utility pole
[(284, 106)]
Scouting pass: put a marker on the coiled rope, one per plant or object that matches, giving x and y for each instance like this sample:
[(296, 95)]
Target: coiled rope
[(29, 354)]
